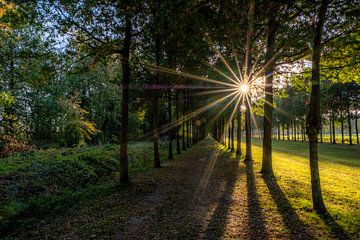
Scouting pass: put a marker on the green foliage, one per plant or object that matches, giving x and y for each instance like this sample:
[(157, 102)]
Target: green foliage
[(45, 181)]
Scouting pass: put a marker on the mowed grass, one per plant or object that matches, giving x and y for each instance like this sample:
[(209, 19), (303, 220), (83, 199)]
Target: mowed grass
[(340, 177)]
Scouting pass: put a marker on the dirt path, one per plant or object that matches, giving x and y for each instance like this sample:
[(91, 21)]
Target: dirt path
[(202, 194)]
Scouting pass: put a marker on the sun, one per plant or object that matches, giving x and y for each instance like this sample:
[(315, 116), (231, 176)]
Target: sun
[(244, 88)]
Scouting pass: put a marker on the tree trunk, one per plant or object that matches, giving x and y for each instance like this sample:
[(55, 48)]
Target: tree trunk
[(248, 153), (229, 135), (124, 171), (333, 131), (288, 131), (314, 118), (342, 129), (178, 150), (356, 127), (330, 130), (321, 135), (232, 135), (170, 150), (238, 135), (266, 167), (349, 123), (248, 69), (183, 122), (155, 106)]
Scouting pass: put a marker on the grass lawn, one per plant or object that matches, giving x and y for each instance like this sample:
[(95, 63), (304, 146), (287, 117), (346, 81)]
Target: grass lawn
[(340, 178)]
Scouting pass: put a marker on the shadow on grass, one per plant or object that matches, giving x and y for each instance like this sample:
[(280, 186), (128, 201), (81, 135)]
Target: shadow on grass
[(256, 218), (217, 224), (293, 223), (336, 230)]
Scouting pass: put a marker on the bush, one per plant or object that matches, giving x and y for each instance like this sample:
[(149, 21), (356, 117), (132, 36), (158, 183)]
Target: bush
[(10, 145), (72, 135)]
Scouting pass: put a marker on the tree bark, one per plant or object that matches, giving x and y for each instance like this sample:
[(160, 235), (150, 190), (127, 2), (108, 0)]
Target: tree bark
[(330, 131), (248, 153), (178, 149), (266, 167), (314, 118), (288, 131), (124, 171), (333, 131), (356, 127), (170, 150), (321, 135), (155, 109), (183, 122), (349, 123), (238, 135), (232, 135), (248, 69), (342, 129)]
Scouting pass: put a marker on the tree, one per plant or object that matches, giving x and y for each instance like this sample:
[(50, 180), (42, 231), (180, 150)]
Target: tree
[(314, 119), (268, 105)]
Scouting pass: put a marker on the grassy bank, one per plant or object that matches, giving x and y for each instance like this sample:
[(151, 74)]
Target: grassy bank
[(50, 181)]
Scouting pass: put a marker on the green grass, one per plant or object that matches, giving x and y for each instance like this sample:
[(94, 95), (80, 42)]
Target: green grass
[(340, 177), (50, 181)]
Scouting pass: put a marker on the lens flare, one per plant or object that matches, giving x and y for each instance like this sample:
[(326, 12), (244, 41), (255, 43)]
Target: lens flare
[(244, 88)]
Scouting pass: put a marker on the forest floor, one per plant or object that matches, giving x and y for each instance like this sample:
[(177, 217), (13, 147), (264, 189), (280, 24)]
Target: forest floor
[(209, 193)]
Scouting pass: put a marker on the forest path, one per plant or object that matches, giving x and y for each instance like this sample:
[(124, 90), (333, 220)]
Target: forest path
[(201, 194)]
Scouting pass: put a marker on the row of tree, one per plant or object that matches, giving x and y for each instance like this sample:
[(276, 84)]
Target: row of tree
[(114, 71)]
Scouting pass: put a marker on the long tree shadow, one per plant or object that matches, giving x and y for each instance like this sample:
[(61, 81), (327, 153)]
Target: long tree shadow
[(291, 220), (256, 217), (335, 228), (293, 223), (217, 224)]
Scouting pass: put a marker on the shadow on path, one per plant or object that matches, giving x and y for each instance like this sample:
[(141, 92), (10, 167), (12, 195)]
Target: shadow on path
[(217, 224), (293, 223), (256, 218)]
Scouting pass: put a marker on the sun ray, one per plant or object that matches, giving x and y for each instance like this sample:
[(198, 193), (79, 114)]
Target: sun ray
[(231, 118), (238, 67), (223, 59), (221, 73), (179, 121), (224, 108), (188, 75), (213, 92)]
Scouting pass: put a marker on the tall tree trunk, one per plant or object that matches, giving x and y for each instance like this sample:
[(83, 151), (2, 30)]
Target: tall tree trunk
[(238, 135), (248, 69), (321, 135), (248, 153), (356, 127), (349, 123), (266, 166), (314, 118), (288, 131), (330, 129), (155, 106), (229, 134), (283, 132), (342, 129), (333, 131), (170, 150), (184, 122), (232, 135), (124, 171), (178, 151)]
